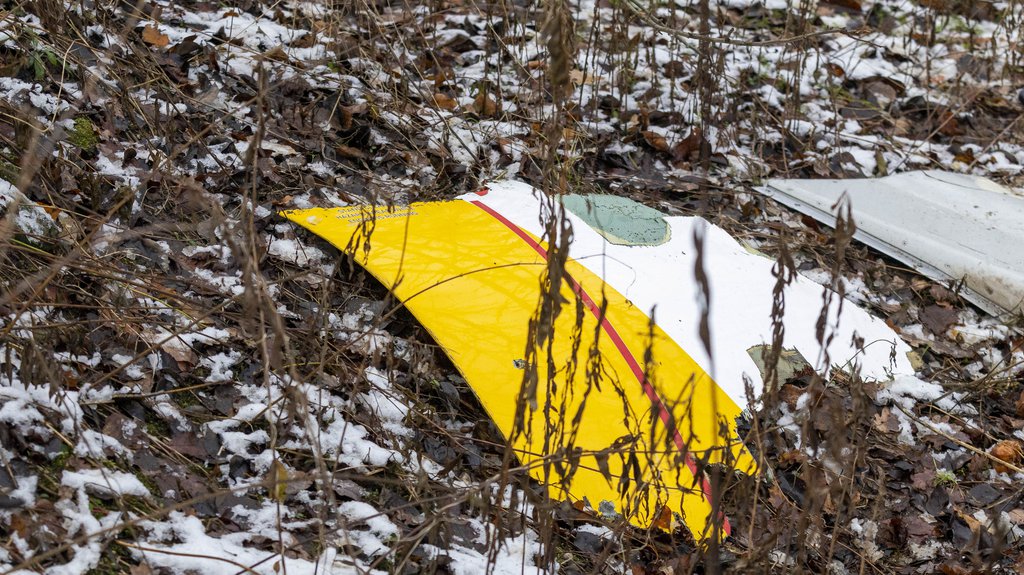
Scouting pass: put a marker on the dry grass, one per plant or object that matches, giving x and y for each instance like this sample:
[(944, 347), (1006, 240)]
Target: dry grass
[(87, 300)]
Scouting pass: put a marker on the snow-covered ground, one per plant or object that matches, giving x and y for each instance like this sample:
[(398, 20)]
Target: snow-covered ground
[(171, 349)]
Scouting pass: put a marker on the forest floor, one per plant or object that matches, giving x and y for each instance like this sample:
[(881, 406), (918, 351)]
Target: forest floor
[(190, 384)]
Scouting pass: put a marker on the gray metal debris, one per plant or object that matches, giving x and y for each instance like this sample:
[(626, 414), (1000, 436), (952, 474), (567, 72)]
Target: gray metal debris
[(950, 227)]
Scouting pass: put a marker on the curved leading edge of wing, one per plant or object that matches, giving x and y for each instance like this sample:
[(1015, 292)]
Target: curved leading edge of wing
[(626, 414)]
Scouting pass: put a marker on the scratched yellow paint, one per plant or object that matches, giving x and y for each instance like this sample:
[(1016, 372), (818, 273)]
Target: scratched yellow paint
[(474, 284)]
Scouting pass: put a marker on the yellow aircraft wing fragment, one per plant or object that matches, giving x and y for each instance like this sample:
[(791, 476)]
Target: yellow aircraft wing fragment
[(625, 415)]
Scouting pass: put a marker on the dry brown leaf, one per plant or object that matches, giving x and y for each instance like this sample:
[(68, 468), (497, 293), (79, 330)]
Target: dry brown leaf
[(919, 528), (655, 140), (973, 524), (952, 569), (938, 318), (579, 77), (852, 5), (140, 569), (1016, 516), (173, 345), (949, 125), (836, 70), (52, 211), (442, 77), (920, 284), (485, 106), (445, 102), (278, 477), (690, 147), (1019, 406), (792, 456), (349, 112), (789, 394), (664, 520), (1009, 450), (901, 127), (923, 480), (277, 54), (350, 152), (153, 37), (937, 5), (306, 40)]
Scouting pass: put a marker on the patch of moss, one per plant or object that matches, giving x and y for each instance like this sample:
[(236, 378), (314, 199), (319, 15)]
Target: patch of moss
[(50, 474), (8, 171), (83, 135), (58, 463), (100, 507), (116, 558), (187, 399), (157, 427), (945, 478), (147, 482)]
